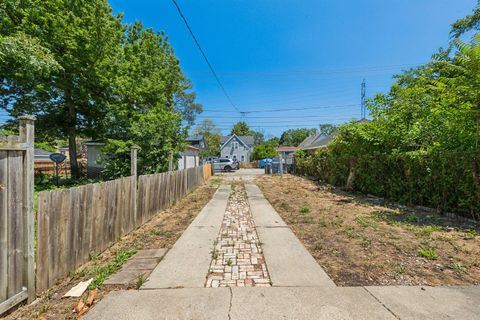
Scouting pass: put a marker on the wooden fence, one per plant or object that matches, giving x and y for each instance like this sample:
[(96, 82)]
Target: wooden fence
[(72, 223), (16, 217), (48, 167), (207, 171)]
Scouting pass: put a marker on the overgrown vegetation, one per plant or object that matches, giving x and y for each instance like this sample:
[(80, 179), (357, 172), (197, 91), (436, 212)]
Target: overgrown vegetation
[(422, 145)]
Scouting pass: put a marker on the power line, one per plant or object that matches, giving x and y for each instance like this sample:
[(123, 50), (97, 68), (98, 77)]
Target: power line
[(205, 56), (307, 117), (287, 109)]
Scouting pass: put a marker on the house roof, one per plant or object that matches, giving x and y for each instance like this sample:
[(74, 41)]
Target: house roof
[(286, 148), (247, 140), (194, 138), (364, 120), (192, 148), (316, 141), (94, 143), (41, 153)]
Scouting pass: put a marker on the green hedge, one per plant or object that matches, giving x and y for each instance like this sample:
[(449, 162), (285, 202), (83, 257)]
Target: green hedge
[(445, 181)]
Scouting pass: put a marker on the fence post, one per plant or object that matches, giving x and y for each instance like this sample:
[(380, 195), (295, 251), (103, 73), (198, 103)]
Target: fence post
[(27, 136), (280, 156), (133, 172)]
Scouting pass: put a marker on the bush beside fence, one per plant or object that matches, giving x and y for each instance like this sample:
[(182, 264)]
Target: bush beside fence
[(75, 222), (448, 182)]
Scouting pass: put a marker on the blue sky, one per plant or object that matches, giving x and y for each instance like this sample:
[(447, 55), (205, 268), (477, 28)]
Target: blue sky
[(292, 54), (298, 54)]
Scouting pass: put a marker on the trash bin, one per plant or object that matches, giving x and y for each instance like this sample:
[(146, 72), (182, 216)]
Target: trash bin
[(268, 168)]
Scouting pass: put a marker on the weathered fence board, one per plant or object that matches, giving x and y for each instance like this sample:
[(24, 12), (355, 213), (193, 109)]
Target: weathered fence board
[(16, 217), (158, 191), (3, 226), (16, 225), (73, 223), (207, 171)]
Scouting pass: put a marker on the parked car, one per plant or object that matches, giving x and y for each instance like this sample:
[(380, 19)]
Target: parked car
[(223, 164)]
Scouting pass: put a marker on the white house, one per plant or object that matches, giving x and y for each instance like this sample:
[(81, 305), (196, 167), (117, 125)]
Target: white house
[(237, 147), (189, 158)]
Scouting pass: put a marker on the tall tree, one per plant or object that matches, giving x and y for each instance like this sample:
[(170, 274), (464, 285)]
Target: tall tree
[(241, 128), (470, 22), (83, 73), (326, 128), (293, 137), (212, 136), (81, 40)]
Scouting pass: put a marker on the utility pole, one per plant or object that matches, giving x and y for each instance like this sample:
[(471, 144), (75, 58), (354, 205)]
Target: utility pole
[(363, 103)]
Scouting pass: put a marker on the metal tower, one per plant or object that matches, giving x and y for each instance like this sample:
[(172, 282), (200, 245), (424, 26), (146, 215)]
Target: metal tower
[(363, 102)]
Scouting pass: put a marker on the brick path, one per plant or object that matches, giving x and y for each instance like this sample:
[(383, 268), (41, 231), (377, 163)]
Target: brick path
[(237, 260)]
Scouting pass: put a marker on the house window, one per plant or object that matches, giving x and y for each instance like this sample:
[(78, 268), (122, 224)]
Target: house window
[(235, 145), (243, 157), (234, 156), (226, 157)]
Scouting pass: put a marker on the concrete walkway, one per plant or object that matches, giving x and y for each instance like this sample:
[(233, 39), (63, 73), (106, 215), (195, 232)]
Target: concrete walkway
[(300, 287)]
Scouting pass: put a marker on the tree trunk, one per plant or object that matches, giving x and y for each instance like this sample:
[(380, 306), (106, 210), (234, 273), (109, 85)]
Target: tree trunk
[(72, 133), (476, 175)]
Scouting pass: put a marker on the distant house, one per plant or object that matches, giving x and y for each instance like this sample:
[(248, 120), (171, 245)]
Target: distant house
[(237, 147), (197, 142), (189, 158), (316, 141), (287, 153)]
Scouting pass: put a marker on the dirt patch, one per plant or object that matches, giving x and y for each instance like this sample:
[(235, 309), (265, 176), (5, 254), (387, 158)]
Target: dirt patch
[(359, 243), (162, 231)]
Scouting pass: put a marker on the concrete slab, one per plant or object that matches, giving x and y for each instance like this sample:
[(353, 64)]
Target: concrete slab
[(430, 302), (141, 264), (198, 304), (186, 265), (288, 262), (305, 303), (151, 253), (263, 212), (212, 214), (126, 278)]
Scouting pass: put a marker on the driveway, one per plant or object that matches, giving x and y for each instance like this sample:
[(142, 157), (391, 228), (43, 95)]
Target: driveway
[(241, 174)]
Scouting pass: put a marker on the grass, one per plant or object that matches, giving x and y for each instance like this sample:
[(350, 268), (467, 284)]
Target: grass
[(428, 254), (216, 181), (95, 256), (101, 273), (141, 279), (304, 210), (364, 243), (457, 267), (214, 250)]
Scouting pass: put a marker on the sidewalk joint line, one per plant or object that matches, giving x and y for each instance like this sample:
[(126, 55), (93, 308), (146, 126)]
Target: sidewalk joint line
[(397, 317), (230, 307)]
